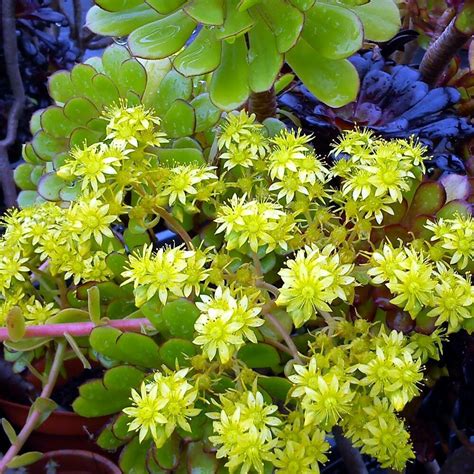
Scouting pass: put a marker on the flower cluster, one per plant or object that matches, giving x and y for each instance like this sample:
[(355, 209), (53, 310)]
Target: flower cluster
[(164, 273), (162, 405), (376, 173), (225, 322), (419, 284), (245, 428), (359, 379), (312, 281)]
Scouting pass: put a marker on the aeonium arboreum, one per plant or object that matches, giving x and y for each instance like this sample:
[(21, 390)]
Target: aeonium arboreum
[(255, 307), (244, 43)]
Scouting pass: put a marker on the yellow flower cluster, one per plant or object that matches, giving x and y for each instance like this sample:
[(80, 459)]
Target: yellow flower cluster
[(165, 273), (359, 379), (376, 172), (226, 321), (456, 239), (256, 224), (419, 284), (312, 281), (245, 429), (162, 405)]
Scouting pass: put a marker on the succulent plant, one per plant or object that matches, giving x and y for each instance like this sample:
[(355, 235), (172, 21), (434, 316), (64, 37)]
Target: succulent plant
[(82, 95), (244, 42), (392, 101)]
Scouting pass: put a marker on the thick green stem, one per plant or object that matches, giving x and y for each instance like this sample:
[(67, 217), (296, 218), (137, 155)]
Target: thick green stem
[(263, 104), (440, 53)]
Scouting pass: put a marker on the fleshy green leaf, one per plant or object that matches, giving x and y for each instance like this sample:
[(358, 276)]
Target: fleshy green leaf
[(133, 457), (180, 316), (27, 199), (168, 456), (15, 324), (120, 346), (381, 19), (277, 387), (206, 12), (55, 123), (258, 356), (46, 146), (285, 21), (80, 110), (117, 5), (179, 120), (174, 86), (108, 395), (60, 86), (132, 77), (180, 156), (177, 352), (22, 176), (49, 186), (333, 81), (25, 459), (164, 7), (236, 22), (333, 31), (264, 59), (120, 23), (229, 87), (9, 430), (207, 114), (203, 55), (112, 58), (162, 38)]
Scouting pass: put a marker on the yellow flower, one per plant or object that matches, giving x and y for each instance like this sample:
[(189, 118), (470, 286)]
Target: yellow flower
[(162, 405), (92, 164), (37, 312), (134, 126), (12, 267), (160, 273), (413, 284), (91, 218), (237, 129), (453, 299)]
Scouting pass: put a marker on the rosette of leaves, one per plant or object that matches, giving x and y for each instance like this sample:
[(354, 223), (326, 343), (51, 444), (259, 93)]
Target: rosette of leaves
[(245, 42), (83, 94), (392, 101)]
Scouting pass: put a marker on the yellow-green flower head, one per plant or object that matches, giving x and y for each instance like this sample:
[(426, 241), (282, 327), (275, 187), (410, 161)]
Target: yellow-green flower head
[(162, 405), (12, 267), (161, 273), (425, 347), (225, 323), (393, 377), (289, 149), (413, 283), (238, 156), (300, 449), (92, 164), (244, 431), (238, 130), (185, 181), (456, 237), (133, 126), (249, 222), (37, 312), (384, 436), (384, 262), (327, 404), (91, 218), (312, 281), (453, 298)]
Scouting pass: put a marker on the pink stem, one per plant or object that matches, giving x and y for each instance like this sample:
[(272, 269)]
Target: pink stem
[(78, 329), (35, 415)]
